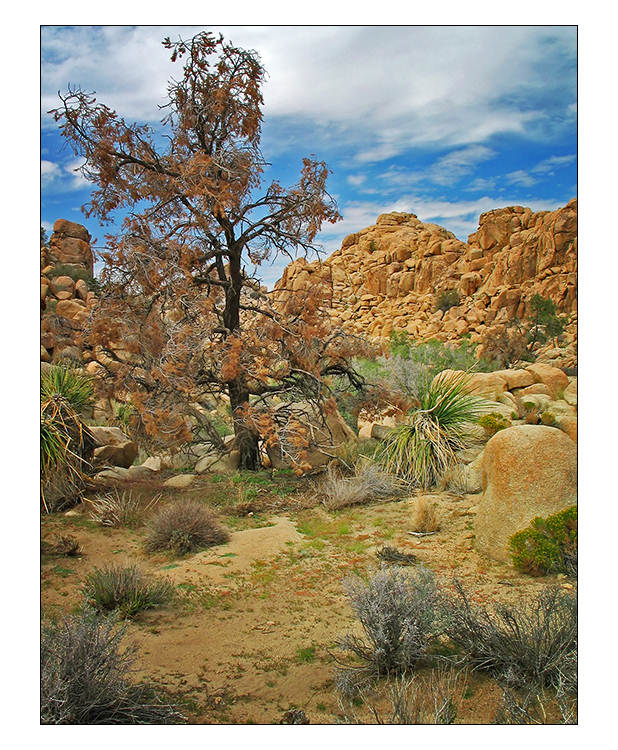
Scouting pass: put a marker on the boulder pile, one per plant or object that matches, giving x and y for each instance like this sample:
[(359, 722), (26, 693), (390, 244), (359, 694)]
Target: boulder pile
[(67, 296), (389, 276)]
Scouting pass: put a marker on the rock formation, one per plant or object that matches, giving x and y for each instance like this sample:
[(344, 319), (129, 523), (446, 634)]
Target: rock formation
[(387, 276), (66, 293)]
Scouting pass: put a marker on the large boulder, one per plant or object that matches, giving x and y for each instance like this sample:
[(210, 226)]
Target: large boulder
[(114, 447), (526, 471), (325, 435)]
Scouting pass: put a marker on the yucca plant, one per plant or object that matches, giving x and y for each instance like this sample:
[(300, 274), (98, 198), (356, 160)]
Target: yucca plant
[(69, 383), (67, 444), (422, 449)]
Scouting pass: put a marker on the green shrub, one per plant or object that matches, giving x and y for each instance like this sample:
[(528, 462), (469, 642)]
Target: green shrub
[(182, 527), (547, 418), (548, 545), (85, 676), (493, 423), (544, 323), (125, 589), (447, 299), (421, 450)]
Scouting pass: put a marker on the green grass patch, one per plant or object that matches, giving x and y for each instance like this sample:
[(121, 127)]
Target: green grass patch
[(305, 655)]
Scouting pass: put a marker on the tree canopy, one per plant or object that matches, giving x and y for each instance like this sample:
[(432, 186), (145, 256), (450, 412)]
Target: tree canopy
[(181, 317)]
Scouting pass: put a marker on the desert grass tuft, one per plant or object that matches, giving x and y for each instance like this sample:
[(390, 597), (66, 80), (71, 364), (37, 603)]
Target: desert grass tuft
[(125, 589), (184, 526)]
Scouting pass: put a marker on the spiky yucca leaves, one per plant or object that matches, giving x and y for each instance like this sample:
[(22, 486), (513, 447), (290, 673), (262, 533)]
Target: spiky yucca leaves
[(69, 383), (421, 450), (66, 443)]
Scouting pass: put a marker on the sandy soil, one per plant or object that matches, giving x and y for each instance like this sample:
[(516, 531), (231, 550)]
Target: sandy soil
[(253, 630)]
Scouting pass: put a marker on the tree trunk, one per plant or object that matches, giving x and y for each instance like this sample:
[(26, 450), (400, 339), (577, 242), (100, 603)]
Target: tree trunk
[(246, 439)]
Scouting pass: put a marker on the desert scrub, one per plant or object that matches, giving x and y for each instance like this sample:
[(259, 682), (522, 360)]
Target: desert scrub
[(125, 589), (447, 299), (548, 419), (523, 644), (548, 545), (531, 412), (116, 508), (182, 527), (434, 700), (396, 612), (368, 483), (421, 450), (85, 675), (493, 423)]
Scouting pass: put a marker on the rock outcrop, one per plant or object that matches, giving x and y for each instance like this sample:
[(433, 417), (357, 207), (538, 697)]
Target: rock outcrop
[(526, 471), (388, 276), (66, 294)]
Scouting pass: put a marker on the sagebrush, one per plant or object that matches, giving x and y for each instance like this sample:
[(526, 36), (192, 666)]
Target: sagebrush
[(396, 612), (86, 675), (533, 642)]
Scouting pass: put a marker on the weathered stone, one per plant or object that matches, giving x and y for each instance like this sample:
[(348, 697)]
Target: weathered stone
[(570, 393), (526, 471), (550, 376), (115, 447), (180, 481)]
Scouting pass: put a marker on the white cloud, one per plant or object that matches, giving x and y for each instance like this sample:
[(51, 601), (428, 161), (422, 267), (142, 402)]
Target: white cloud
[(387, 87), (547, 166), (49, 171), (356, 179), (520, 177)]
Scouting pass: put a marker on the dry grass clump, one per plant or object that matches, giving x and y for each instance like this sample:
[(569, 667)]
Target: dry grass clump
[(426, 516), (368, 483), (125, 589), (85, 676), (530, 643), (184, 526), (63, 546), (117, 508), (433, 700)]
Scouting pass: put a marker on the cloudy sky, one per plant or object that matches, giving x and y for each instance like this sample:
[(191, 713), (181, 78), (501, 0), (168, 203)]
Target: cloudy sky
[(446, 122)]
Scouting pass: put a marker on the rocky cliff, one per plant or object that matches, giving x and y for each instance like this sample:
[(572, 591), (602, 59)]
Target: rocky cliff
[(388, 276)]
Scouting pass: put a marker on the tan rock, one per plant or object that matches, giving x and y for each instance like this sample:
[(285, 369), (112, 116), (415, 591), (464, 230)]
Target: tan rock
[(517, 378), (526, 471), (71, 229), (568, 424), (537, 388), (570, 393), (69, 308), (45, 355), (552, 377), (115, 447), (62, 284), (180, 481)]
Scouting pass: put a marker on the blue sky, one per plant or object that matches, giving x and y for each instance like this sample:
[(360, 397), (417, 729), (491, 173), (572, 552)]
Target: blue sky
[(446, 122)]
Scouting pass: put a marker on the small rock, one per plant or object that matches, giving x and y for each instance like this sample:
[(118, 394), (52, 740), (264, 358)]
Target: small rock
[(180, 481)]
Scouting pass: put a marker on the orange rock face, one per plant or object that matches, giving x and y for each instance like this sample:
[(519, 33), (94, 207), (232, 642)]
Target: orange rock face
[(388, 276)]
